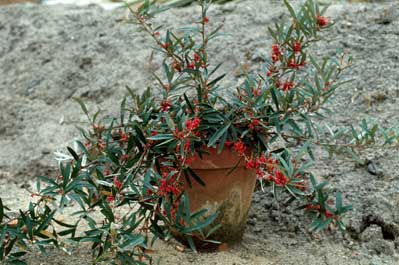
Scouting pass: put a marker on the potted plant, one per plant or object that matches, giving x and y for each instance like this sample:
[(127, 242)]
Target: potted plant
[(182, 161)]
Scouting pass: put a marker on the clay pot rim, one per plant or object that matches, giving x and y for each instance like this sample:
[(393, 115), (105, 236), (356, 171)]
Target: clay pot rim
[(227, 159)]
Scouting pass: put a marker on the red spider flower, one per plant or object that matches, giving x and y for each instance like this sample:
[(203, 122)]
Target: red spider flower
[(165, 45), (293, 65), (257, 92), (288, 85), (280, 179), (228, 143), (297, 46), (261, 160), (322, 21), (191, 66), (166, 105), (196, 57), (253, 124), (124, 157), (260, 174), (193, 124), (187, 146), (327, 214), (276, 53), (110, 198), (124, 137), (250, 164), (117, 183), (239, 147)]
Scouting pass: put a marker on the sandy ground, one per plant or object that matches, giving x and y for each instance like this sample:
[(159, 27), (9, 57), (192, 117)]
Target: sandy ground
[(49, 54)]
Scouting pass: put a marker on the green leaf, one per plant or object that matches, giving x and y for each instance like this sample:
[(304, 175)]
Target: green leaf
[(201, 225), (196, 177), (82, 105), (290, 9), (190, 106), (159, 137), (1, 211), (73, 153), (338, 201), (217, 135)]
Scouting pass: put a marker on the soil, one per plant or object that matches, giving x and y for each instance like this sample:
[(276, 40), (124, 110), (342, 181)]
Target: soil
[(49, 54)]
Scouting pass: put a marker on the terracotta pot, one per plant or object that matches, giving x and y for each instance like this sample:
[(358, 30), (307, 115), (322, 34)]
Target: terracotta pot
[(228, 190)]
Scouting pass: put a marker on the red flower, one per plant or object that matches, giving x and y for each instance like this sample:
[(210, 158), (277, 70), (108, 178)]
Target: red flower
[(297, 46), (189, 160), (117, 183), (110, 198), (322, 21), (260, 174), (239, 147), (228, 143), (196, 57), (156, 33), (293, 64), (262, 160), (250, 164), (124, 137), (327, 214), (176, 66), (280, 179), (191, 66), (253, 124), (187, 146), (193, 124), (313, 207), (257, 92), (206, 20), (124, 157), (288, 85), (276, 53), (101, 144), (166, 105), (154, 133)]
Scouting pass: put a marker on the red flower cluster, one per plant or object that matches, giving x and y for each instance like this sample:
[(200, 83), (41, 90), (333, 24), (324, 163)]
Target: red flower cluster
[(294, 65), (166, 105), (276, 53), (193, 124), (117, 183), (280, 179), (239, 147), (297, 47), (196, 57), (322, 21), (110, 198), (326, 213), (206, 20), (124, 137), (191, 66), (176, 65), (253, 124), (169, 186), (287, 85)]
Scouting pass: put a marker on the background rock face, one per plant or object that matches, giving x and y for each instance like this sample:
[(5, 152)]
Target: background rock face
[(50, 54)]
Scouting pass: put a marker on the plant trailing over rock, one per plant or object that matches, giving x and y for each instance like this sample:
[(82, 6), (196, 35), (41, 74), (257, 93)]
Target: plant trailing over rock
[(135, 169)]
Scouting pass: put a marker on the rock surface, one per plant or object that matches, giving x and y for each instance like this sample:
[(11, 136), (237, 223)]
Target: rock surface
[(49, 54)]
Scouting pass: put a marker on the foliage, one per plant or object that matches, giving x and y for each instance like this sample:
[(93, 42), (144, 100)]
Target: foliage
[(130, 169)]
